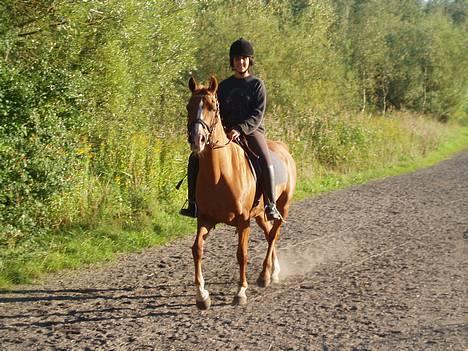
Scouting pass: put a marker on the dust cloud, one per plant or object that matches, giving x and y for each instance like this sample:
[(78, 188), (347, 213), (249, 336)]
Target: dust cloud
[(308, 257)]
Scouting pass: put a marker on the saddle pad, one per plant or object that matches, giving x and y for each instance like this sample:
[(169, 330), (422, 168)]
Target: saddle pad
[(281, 174)]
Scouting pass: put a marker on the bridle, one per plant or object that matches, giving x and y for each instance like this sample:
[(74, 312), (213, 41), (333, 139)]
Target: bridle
[(207, 129)]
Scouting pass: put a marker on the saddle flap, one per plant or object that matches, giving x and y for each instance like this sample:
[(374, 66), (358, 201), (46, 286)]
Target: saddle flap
[(281, 175)]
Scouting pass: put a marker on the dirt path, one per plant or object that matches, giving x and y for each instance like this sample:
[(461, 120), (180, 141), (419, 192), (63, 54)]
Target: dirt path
[(375, 267)]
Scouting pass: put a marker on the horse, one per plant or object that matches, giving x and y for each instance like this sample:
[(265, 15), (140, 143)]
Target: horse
[(226, 189)]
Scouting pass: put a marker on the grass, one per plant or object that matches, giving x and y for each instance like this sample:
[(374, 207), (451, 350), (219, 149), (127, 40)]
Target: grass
[(455, 141), (77, 247)]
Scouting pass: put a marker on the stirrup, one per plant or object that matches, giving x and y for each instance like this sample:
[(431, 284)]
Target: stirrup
[(272, 213)]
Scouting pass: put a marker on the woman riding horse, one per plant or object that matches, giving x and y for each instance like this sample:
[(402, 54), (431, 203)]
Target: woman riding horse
[(226, 188), (242, 100)]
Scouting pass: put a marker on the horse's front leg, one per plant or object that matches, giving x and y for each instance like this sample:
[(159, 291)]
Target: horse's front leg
[(203, 300), (243, 230)]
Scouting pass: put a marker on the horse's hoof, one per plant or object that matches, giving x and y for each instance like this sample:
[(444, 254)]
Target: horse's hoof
[(263, 283), (239, 301), (275, 280), (205, 304)]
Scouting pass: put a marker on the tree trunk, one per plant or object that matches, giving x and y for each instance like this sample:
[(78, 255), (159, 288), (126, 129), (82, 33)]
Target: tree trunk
[(364, 95), (424, 91)]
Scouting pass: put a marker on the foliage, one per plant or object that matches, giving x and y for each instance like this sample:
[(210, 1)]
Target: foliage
[(39, 126), (395, 49), (76, 81), (92, 97), (301, 68)]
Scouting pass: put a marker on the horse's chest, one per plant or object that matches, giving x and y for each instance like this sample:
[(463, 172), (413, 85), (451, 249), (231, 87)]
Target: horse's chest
[(222, 200)]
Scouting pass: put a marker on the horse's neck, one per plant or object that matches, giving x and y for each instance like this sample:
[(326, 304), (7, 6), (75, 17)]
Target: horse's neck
[(221, 161), (219, 137)]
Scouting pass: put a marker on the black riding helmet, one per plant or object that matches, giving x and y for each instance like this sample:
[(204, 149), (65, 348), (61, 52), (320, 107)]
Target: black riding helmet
[(241, 47)]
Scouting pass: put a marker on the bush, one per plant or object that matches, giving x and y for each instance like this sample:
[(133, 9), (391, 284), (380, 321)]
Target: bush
[(37, 158)]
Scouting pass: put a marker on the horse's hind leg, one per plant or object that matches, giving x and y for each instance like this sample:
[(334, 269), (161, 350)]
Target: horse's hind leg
[(276, 267), (271, 267), (203, 300)]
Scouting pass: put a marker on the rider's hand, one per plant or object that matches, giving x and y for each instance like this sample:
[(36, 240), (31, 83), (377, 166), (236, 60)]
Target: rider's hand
[(233, 134)]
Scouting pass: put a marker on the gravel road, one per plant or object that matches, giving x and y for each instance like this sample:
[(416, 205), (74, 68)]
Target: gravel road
[(381, 266)]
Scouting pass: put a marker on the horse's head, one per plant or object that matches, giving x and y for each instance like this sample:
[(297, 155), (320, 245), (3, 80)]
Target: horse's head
[(203, 114)]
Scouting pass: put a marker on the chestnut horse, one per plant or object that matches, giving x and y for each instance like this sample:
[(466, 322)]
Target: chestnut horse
[(226, 187)]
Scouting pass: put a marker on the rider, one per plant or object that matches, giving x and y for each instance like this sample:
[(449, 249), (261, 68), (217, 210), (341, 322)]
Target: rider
[(242, 100)]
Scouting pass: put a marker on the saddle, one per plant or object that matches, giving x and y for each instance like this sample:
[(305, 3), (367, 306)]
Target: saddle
[(281, 175), (251, 156), (254, 164)]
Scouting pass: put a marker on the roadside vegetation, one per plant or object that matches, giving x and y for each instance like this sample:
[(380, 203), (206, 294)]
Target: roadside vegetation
[(93, 95)]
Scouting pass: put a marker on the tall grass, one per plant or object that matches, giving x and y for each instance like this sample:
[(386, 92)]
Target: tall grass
[(124, 199), (392, 145)]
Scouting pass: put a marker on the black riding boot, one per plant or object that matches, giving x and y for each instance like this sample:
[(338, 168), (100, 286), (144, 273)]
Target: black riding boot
[(192, 172), (271, 211)]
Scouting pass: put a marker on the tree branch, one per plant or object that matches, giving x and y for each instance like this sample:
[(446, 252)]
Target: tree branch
[(41, 29)]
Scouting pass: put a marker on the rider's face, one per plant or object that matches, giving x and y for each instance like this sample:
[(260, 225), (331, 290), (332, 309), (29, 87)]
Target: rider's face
[(241, 64)]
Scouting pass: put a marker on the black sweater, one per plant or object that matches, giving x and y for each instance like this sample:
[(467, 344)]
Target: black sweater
[(242, 103)]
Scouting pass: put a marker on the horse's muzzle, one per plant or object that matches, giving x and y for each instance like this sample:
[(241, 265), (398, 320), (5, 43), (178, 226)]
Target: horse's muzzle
[(198, 140)]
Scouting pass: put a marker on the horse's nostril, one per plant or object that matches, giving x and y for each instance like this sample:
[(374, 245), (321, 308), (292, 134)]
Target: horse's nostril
[(199, 139)]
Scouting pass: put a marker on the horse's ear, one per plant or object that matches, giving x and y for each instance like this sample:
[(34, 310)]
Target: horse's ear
[(213, 84), (192, 84)]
